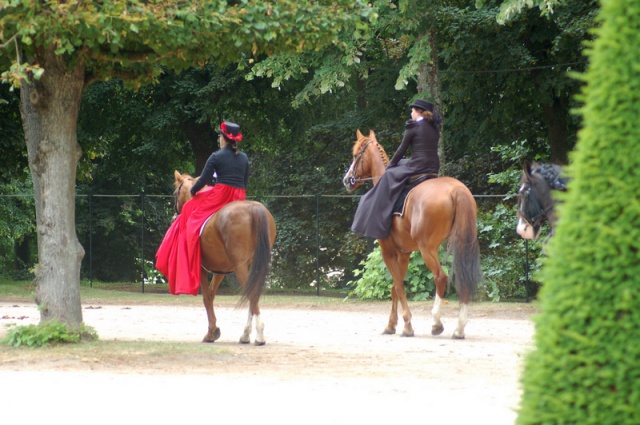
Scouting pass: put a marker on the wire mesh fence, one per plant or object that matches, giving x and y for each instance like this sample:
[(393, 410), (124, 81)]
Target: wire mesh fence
[(314, 245)]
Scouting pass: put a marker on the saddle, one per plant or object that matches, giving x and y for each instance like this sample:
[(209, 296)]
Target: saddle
[(412, 183)]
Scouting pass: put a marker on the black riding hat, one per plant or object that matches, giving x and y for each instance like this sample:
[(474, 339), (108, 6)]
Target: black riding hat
[(422, 104), (230, 130)]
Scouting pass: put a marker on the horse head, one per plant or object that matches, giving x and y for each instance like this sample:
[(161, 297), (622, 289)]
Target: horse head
[(182, 192), (368, 163), (535, 200)]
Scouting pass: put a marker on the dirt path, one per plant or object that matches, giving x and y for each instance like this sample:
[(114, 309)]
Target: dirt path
[(324, 366)]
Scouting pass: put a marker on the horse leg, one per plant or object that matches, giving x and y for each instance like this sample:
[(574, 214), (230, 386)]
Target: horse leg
[(393, 317), (437, 328), (430, 258), (406, 313), (254, 313), (463, 317), (245, 338), (440, 279), (462, 321), (397, 262), (209, 290)]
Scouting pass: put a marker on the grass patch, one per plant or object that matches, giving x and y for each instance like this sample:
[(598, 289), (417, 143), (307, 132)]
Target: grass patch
[(16, 290), (139, 356), (131, 293)]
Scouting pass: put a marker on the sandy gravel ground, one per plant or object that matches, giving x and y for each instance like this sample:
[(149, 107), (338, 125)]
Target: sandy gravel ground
[(319, 366)]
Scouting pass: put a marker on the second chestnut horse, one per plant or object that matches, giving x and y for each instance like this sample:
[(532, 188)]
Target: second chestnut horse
[(436, 210)]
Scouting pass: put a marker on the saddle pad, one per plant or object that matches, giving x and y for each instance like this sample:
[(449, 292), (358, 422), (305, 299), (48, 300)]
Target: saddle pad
[(399, 206), (205, 223)]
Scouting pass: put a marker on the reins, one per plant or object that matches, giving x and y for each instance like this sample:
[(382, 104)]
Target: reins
[(353, 180), (176, 193)]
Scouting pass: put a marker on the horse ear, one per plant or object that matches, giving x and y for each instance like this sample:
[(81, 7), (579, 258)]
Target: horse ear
[(372, 135), (359, 135), (177, 176), (526, 167)]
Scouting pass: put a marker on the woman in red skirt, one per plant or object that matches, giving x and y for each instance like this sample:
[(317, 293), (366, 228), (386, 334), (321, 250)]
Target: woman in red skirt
[(178, 256)]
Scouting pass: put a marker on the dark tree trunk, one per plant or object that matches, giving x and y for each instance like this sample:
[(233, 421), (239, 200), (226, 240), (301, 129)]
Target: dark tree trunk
[(49, 110), (429, 82), (202, 139), (556, 116)]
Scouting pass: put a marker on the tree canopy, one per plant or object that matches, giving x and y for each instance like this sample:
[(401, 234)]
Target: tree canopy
[(129, 38), (67, 45)]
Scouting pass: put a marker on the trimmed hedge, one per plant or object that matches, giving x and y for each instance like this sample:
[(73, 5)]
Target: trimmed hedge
[(585, 368)]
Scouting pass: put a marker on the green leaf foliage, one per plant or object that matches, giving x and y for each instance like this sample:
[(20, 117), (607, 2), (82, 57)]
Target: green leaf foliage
[(585, 368), (374, 280), (127, 38), (48, 333), (502, 83)]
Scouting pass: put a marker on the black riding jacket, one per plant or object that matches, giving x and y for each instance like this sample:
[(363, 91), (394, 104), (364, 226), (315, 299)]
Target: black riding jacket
[(423, 138), (230, 169)]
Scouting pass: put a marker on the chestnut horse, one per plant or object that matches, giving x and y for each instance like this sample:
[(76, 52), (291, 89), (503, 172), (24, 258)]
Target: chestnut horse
[(437, 209), (236, 239)]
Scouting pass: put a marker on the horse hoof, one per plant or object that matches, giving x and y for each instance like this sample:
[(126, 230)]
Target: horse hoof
[(209, 338), (407, 334), (244, 341), (437, 329), (259, 343), (389, 331), (456, 335)]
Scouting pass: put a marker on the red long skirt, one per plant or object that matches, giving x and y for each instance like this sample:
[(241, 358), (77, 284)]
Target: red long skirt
[(178, 257)]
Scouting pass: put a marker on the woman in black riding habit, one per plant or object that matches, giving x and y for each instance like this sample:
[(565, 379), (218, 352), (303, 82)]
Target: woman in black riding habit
[(375, 211), (178, 256)]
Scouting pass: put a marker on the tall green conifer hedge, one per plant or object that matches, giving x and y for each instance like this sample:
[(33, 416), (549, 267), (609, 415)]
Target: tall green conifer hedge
[(585, 368)]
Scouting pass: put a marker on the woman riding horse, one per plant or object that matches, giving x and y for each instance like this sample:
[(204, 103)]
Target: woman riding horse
[(179, 254), (374, 214), (435, 210)]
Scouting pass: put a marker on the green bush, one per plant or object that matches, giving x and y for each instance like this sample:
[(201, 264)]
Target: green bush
[(375, 280), (585, 368), (47, 333)]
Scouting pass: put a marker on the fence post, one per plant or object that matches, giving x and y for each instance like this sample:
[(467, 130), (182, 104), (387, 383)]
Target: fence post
[(318, 245), (142, 240), (90, 240), (526, 269)]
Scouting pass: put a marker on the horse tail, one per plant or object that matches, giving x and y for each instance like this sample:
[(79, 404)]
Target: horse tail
[(465, 269), (261, 264)]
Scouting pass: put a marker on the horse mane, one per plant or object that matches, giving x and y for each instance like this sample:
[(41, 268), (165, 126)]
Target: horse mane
[(372, 137), (383, 153), (552, 175)]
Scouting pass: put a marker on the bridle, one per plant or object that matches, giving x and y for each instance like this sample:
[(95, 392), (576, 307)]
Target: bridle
[(536, 221), (358, 161), (176, 193)]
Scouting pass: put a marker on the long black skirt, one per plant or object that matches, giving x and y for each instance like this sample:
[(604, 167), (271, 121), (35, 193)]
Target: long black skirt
[(375, 210)]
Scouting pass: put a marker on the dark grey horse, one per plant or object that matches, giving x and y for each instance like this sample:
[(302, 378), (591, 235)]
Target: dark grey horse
[(535, 201)]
